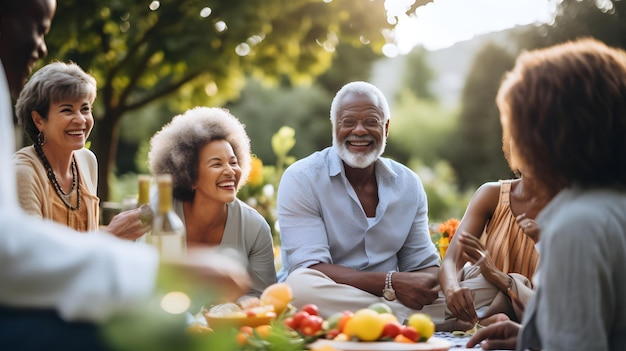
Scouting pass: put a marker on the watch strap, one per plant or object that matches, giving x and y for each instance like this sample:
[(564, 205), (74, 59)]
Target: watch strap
[(388, 284)]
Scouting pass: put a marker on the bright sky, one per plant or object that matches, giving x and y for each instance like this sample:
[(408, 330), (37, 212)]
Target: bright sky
[(444, 22)]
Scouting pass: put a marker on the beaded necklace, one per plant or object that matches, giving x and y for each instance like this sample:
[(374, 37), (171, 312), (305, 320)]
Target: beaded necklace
[(55, 183)]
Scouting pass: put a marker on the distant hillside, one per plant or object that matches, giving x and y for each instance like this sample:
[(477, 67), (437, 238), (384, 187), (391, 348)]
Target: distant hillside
[(450, 65)]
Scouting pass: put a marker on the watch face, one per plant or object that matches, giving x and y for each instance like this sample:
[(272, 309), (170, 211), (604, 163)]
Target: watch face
[(389, 294)]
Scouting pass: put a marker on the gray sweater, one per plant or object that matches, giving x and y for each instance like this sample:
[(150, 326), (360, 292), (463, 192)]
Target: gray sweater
[(580, 298)]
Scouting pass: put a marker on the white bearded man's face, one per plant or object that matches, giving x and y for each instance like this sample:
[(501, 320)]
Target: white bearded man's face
[(359, 136), (358, 159)]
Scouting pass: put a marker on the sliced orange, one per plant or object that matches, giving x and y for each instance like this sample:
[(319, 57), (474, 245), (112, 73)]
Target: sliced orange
[(278, 295)]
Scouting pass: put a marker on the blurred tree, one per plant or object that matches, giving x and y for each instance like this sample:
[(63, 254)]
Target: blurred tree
[(419, 75), (198, 52), (418, 129), (601, 19), (475, 149), (264, 110), (305, 108), (350, 63), (476, 152)]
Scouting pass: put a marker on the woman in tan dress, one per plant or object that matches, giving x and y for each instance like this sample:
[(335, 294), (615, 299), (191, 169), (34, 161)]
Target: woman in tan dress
[(499, 223), (57, 176)]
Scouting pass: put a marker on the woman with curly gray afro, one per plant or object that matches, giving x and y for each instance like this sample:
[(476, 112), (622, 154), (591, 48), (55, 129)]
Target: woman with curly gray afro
[(176, 146), (207, 153)]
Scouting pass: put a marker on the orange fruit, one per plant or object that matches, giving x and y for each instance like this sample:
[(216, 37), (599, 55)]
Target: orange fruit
[(263, 331), (278, 295), (246, 330), (403, 339), (241, 338)]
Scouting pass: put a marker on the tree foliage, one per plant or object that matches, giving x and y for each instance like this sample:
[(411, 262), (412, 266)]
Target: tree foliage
[(476, 156), (305, 108), (265, 110), (419, 75), (475, 148), (198, 52), (604, 20)]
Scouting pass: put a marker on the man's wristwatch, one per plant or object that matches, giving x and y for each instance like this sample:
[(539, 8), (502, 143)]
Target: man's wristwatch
[(388, 293)]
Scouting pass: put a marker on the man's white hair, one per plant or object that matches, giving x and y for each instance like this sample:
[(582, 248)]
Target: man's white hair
[(360, 160), (360, 87)]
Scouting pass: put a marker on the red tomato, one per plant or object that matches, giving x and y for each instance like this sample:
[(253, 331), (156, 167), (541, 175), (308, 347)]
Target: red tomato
[(311, 325), (250, 313), (311, 308), (410, 333), (298, 317), (331, 334), (391, 330), (289, 322)]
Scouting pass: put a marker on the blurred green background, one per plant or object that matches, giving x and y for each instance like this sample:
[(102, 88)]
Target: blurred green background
[(278, 63)]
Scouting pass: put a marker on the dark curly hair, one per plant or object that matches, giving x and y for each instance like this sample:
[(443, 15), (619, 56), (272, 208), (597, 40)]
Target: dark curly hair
[(565, 109)]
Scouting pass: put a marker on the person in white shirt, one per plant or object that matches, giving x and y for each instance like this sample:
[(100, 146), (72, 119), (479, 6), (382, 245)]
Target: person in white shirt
[(66, 281), (353, 224)]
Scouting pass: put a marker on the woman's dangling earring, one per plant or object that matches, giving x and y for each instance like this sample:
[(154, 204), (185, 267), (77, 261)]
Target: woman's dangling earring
[(41, 139)]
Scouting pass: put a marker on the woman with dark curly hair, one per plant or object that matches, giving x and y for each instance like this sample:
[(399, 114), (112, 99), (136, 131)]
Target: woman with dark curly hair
[(207, 152), (564, 108)]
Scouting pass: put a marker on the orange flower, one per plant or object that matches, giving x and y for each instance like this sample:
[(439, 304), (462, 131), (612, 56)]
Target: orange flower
[(256, 171), (448, 228)]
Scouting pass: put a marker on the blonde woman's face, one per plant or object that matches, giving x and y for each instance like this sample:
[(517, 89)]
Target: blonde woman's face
[(218, 173)]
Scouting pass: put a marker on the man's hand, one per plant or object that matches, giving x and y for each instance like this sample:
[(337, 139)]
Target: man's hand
[(207, 270), (416, 289), (498, 336)]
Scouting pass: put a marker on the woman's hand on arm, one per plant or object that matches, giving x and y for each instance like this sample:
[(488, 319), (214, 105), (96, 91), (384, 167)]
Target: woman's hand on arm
[(529, 226), (476, 253)]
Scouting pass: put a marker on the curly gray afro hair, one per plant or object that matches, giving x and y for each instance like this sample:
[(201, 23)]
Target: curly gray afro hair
[(176, 147)]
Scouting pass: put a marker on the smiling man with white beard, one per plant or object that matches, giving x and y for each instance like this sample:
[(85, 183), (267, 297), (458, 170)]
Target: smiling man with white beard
[(353, 224)]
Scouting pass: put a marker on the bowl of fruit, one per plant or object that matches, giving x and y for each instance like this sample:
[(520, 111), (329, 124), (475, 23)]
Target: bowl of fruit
[(232, 315), (253, 312)]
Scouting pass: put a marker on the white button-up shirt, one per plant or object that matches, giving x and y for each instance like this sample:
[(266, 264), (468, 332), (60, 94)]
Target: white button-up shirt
[(322, 221)]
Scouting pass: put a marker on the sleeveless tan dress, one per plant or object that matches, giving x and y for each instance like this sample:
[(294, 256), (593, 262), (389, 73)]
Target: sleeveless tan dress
[(511, 250)]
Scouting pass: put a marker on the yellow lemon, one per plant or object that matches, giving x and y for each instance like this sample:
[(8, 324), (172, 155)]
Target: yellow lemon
[(423, 324), (365, 325)]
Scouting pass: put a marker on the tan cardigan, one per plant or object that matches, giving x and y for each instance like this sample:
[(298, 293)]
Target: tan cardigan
[(35, 193)]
